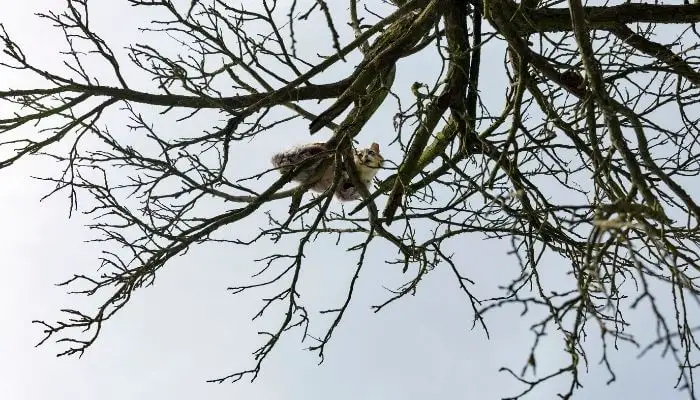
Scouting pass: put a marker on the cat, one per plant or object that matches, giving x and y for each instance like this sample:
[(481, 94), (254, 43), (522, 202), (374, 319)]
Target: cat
[(368, 161)]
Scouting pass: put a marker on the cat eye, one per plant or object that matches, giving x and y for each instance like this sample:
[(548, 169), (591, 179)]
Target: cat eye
[(371, 153)]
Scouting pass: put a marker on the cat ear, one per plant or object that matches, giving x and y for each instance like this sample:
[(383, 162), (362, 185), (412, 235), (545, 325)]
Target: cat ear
[(375, 147)]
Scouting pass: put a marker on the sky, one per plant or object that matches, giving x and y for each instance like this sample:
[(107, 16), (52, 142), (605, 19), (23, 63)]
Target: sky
[(187, 328)]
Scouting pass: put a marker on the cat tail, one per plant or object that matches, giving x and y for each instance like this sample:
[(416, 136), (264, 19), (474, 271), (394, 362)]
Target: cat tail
[(287, 160), (282, 162)]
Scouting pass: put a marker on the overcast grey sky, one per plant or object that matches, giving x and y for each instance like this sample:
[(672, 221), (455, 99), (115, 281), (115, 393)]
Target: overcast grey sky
[(187, 328)]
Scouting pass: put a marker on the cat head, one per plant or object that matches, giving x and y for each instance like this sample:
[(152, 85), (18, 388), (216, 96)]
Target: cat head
[(369, 157)]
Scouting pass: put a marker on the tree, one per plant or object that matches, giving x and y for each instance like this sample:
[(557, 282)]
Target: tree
[(582, 147)]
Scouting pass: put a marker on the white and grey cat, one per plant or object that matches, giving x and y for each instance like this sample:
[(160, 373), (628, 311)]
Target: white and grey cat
[(368, 161)]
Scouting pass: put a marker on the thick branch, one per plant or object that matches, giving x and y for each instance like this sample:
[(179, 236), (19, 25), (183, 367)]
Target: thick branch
[(311, 92), (558, 19)]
